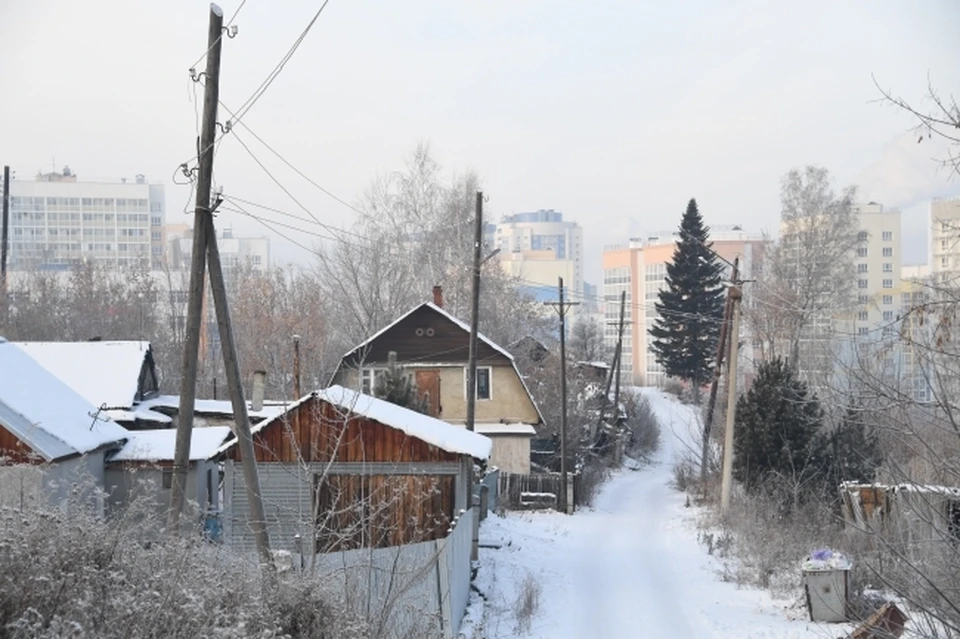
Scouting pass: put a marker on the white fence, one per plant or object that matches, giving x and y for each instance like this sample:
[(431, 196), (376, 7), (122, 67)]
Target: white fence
[(417, 590)]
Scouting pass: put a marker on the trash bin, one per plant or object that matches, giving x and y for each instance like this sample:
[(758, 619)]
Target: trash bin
[(826, 582)]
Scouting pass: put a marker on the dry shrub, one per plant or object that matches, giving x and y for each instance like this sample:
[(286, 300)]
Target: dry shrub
[(528, 602), (67, 573), (643, 426), (592, 477)]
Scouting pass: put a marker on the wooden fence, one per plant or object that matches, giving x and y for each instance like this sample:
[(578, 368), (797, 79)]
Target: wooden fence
[(540, 490)]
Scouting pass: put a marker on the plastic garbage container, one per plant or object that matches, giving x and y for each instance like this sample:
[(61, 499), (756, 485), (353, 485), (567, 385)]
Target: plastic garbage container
[(826, 582)]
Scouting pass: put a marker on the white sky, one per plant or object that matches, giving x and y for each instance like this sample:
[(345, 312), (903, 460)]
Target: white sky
[(615, 113)]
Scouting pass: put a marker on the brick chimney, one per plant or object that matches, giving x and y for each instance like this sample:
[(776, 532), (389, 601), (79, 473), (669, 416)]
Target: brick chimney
[(438, 295), (259, 384)]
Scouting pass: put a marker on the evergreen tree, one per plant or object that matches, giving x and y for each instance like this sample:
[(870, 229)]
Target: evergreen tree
[(690, 307), (396, 386), (777, 422), (850, 452)]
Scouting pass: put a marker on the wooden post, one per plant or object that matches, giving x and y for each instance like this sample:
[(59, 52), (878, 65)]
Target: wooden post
[(5, 240), (191, 346), (474, 315), (241, 418), (735, 295), (296, 367), (562, 310), (721, 349)]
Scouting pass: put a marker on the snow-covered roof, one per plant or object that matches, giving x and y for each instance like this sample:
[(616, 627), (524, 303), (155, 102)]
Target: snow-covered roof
[(518, 428), (271, 408), (101, 372), (159, 445), (434, 307), (423, 427), (42, 411)]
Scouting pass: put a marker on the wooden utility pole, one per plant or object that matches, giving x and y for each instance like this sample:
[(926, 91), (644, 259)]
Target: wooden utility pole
[(191, 346), (735, 295), (718, 371), (4, 240), (614, 366), (616, 392), (296, 367), (562, 307), (474, 314), (205, 249)]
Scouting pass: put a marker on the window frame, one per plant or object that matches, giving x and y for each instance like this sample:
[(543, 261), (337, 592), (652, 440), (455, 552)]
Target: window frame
[(466, 374)]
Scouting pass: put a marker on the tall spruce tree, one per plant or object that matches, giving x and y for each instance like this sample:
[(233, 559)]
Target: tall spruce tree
[(690, 307), (776, 432)]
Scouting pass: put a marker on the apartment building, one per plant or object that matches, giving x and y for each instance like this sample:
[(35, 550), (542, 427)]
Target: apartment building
[(878, 264), (639, 269), (234, 251), (945, 238), (538, 247), (57, 220)]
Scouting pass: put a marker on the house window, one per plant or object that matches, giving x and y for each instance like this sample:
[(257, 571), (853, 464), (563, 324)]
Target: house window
[(888, 316), (888, 251), (888, 299), (484, 382), (888, 268), (861, 283), (888, 236), (862, 330), (862, 236), (862, 316), (863, 299), (370, 378), (862, 251), (887, 283)]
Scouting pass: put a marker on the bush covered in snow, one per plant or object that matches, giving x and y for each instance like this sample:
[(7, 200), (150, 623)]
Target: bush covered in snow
[(69, 574)]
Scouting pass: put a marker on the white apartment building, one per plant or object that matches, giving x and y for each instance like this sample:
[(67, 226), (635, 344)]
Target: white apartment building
[(538, 247), (57, 220), (234, 251), (945, 238), (878, 264)]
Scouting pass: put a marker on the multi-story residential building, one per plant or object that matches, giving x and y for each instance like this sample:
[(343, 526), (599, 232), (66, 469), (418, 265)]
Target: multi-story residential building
[(878, 265), (57, 220), (538, 247), (639, 269), (234, 251), (945, 238)]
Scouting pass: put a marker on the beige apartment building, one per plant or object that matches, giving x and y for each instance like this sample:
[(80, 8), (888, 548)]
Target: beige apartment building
[(639, 268), (878, 264), (945, 238)]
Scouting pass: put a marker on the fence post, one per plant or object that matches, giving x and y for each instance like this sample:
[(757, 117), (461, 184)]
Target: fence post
[(484, 501), (569, 500)]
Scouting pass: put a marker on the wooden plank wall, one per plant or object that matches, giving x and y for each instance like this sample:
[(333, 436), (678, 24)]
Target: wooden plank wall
[(318, 431), (15, 451)]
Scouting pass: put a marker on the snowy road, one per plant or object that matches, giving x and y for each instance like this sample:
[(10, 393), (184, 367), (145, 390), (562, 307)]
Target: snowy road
[(630, 567)]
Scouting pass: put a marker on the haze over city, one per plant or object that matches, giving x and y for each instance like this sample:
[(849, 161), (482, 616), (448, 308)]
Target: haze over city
[(614, 113)]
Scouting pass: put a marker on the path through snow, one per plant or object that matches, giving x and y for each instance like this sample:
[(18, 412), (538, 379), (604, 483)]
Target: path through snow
[(631, 567)]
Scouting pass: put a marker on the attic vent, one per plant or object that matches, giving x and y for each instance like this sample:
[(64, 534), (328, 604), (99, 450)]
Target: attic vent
[(420, 332), (429, 332)]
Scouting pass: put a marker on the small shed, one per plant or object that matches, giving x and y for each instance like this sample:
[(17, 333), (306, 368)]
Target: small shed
[(918, 513), (511, 444), (46, 425), (143, 468), (343, 470)]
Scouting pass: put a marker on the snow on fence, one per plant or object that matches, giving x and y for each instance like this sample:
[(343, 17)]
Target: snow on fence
[(413, 590), (492, 483), (540, 490)]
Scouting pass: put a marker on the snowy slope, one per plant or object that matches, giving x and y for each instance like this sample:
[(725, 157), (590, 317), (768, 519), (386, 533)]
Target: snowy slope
[(630, 567)]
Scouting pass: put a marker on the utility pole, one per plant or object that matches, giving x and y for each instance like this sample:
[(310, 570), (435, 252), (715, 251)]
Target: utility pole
[(296, 367), (204, 249), (4, 239), (191, 346), (616, 392), (562, 307), (718, 371), (614, 366), (735, 295), (474, 315)]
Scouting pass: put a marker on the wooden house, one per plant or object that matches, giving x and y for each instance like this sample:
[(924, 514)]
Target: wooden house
[(343, 470), (51, 438), (433, 346)]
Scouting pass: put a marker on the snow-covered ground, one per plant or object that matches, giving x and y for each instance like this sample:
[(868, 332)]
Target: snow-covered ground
[(630, 567)]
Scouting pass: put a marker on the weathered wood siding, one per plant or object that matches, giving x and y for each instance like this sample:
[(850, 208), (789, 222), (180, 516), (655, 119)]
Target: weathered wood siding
[(423, 336), (316, 431), (16, 451), (511, 453)]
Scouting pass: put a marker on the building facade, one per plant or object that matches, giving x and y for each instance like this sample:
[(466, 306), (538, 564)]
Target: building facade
[(234, 251), (878, 264), (57, 220), (640, 269), (539, 247), (945, 238)]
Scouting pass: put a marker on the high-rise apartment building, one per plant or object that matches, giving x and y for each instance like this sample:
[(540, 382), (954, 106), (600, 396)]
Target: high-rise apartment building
[(538, 247), (57, 220), (945, 238), (234, 251), (640, 269), (878, 265)]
